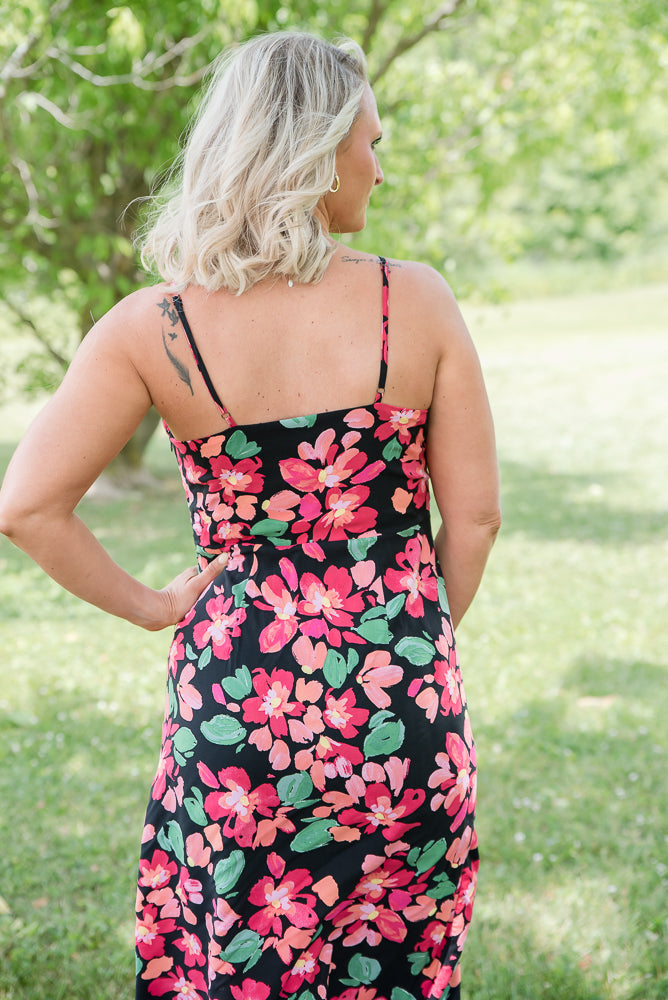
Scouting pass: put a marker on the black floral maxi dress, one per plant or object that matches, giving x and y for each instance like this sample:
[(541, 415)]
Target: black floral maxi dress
[(310, 830)]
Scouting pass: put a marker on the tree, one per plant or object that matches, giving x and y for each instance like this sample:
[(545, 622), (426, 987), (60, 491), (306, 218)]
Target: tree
[(92, 106)]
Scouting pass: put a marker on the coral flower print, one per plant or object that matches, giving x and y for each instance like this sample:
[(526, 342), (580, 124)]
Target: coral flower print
[(310, 833)]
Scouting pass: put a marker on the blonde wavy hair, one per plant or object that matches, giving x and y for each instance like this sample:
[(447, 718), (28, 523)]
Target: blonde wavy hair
[(258, 156)]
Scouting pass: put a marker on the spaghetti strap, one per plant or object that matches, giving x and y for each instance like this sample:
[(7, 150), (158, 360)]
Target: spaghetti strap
[(201, 367), (382, 378)]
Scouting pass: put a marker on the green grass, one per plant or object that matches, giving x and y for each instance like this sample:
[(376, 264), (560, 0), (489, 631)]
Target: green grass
[(564, 653)]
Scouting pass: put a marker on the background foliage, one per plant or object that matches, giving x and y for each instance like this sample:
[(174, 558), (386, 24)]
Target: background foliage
[(512, 131)]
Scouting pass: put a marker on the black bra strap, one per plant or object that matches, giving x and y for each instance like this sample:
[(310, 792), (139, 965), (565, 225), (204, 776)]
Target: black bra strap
[(201, 367)]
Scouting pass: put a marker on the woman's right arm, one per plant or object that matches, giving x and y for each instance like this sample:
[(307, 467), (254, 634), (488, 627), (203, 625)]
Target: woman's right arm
[(461, 454)]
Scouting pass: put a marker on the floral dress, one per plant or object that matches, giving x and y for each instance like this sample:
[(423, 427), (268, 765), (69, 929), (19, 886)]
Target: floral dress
[(310, 829)]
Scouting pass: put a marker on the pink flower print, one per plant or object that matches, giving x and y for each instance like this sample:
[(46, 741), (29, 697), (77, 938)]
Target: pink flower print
[(250, 989), (465, 895), (238, 483), (188, 695), (360, 417), (459, 849), (330, 597), (235, 801), (197, 855), (456, 777), (345, 514), (400, 423), (379, 673), (381, 813), (280, 506), (310, 657), (331, 469), (279, 598), (418, 582), (272, 702), (221, 627), (149, 933), (281, 896), (157, 872), (176, 654), (182, 985), (306, 968), (389, 876), (191, 946), (367, 921), (342, 714), (165, 770), (449, 676)]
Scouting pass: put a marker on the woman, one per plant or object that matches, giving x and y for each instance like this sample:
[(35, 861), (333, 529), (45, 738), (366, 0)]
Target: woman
[(310, 828)]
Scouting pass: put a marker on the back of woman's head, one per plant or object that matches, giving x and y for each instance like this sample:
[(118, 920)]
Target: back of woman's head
[(259, 155)]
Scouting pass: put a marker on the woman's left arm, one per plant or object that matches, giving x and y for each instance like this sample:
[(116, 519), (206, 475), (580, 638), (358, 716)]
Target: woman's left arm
[(94, 412)]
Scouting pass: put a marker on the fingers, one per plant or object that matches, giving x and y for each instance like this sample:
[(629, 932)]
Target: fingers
[(211, 571)]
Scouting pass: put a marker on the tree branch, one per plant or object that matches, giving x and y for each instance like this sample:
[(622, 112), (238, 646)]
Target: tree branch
[(438, 21), (376, 11), (27, 321), (12, 67)]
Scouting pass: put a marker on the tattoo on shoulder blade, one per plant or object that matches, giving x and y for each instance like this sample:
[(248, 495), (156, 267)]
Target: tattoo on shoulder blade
[(167, 310), (181, 369)]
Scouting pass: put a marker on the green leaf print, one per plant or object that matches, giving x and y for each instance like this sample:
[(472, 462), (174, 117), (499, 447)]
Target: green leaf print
[(238, 446), (184, 742), (399, 994), (222, 729), (392, 449), (241, 947), (376, 631), (334, 669), (363, 969), (379, 717), (418, 960), (171, 697), (385, 739), (432, 856), (442, 596), (294, 788), (171, 839), (270, 528), (205, 657), (395, 606), (195, 808), (239, 591), (239, 685), (226, 873), (443, 887), (299, 421), (417, 651), (358, 547), (313, 836)]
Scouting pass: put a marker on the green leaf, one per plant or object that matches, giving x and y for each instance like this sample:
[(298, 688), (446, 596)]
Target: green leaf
[(184, 742), (358, 547), (432, 856), (392, 449), (239, 685), (239, 591), (363, 969), (418, 960), (226, 873), (170, 839), (223, 729), (238, 445), (171, 698), (395, 606), (242, 946), (270, 527), (409, 532), (313, 836), (442, 596), (195, 808), (412, 857), (376, 631), (379, 611), (190, 652), (417, 651), (443, 887), (400, 994), (385, 740), (353, 659), (205, 657), (378, 718), (300, 421), (334, 669), (294, 788)]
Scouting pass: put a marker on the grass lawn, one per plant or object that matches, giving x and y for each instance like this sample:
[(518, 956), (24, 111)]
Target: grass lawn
[(565, 653)]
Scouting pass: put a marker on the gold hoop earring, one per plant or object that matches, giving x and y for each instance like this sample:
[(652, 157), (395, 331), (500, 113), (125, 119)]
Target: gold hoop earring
[(336, 185)]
